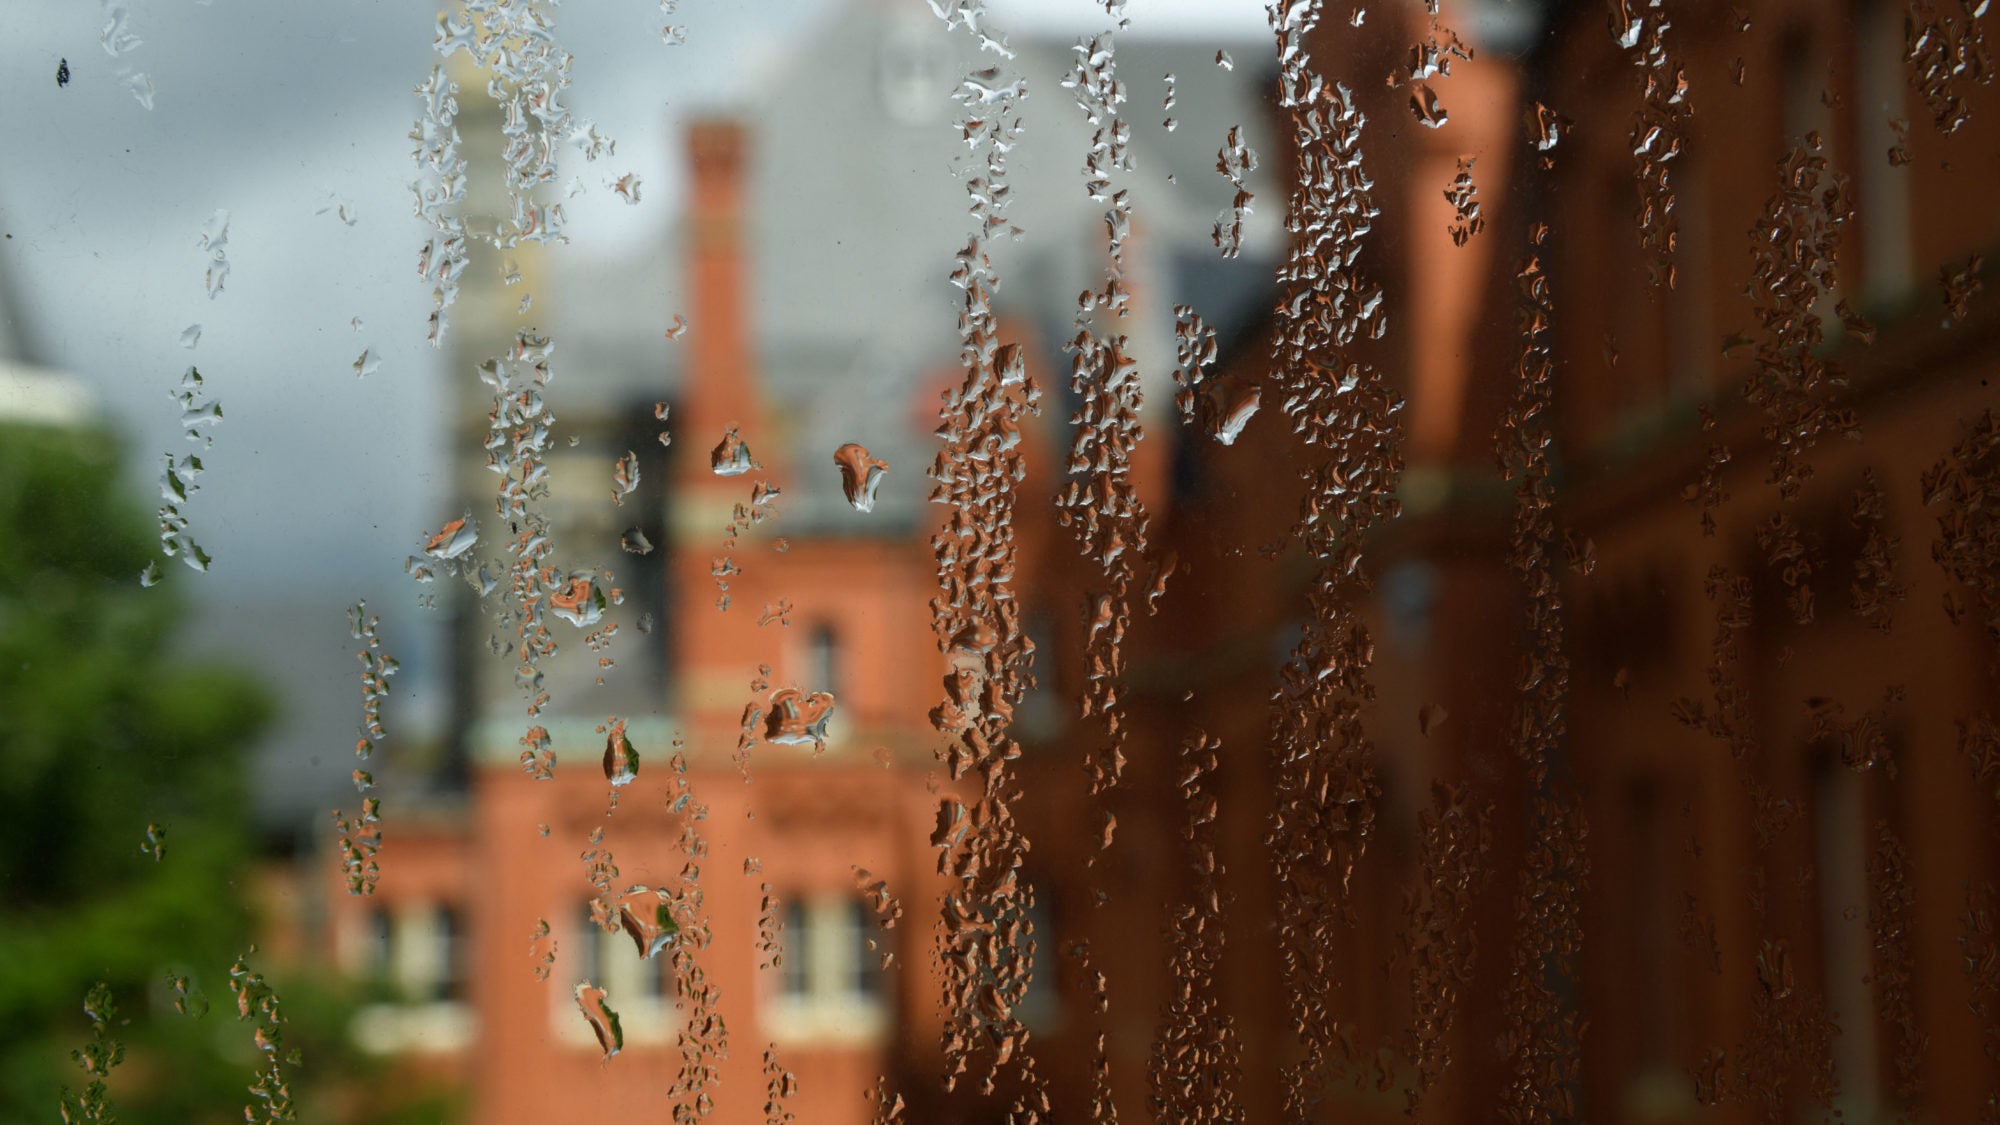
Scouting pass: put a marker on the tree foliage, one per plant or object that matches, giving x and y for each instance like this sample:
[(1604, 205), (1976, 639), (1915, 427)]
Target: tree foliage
[(105, 731)]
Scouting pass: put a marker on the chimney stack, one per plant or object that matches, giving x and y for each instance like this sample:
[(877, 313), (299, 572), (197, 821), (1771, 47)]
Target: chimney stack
[(721, 389)]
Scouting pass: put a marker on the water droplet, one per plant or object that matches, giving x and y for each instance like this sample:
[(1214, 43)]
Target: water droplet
[(579, 601), (1424, 103), (140, 86), (62, 72), (190, 336), (624, 477), (1546, 127), (538, 757), (1960, 286), (453, 540), (367, 363), (731, 456), (795, 718), (592, 1001), (215, 240), (647, 917), (621, 758), (860, 475), (116, 37), (1227, 425), (635, 542), (1223, 60), (155, 844), (1429, 717), (188, 999)]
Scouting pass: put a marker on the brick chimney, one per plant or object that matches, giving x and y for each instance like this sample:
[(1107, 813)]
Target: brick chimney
[(721, 388)]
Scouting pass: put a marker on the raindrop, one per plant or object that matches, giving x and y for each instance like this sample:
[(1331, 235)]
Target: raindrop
[(592, 1002), (256, 1000), (731, 457), (635, 542), (579, 601), (96, 1058), (1223, 60), (1626, 24), (1899, 153), (795, 718), (453, 540), (624, 477), (188, 999), (190, 336), (538, 757), (621, 758), (1424, 103), (154, 846), (1546, 126), (860, 475), (1960, 286), (62, 73), (140, 86), (1463, 196), (1227, 424), (647, 917), (341, 208), (1235, 160), (1431, 716), (542, 948), (367, 363), (215, 240), (117, 38)]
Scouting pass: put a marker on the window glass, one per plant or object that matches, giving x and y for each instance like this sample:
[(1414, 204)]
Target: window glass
[(1067, 560)]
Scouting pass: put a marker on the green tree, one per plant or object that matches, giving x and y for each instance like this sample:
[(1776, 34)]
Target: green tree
[(105, 732)]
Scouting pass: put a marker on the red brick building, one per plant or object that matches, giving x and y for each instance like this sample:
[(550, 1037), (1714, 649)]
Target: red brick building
[(1701, 861), (454, 922), (1698, 864)]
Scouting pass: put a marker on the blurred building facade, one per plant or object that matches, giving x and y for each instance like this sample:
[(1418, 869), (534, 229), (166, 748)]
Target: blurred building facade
[(1701, 861), (809, 857), (1843, 867)]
